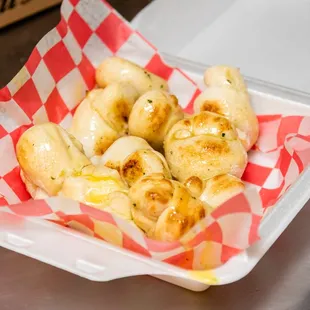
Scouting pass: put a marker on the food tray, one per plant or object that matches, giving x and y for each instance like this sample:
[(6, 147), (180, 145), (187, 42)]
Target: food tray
[(100, 261), (58, 76)]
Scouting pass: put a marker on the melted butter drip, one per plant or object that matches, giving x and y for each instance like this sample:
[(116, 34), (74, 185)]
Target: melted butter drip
[(95, 178), (95, 196), (204, 276), (100, 197)]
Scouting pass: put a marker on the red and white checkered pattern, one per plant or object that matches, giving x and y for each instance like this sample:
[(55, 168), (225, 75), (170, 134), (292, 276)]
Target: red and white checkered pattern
[(280, 155), (226, 232), (55, 79)]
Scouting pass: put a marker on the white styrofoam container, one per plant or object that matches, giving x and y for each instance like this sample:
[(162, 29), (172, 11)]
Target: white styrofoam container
[(267, 39), (97, 260)]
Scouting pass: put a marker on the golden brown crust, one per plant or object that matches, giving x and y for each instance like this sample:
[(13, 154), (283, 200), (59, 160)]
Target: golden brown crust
[(102, 117), (47, 154), (221, 188), (227, 95), (160, 197), (163, 208), (153, 115), (132, 170), (195, 185), (204, 146), (158, 116), (221, 183), (212, 106), (102, 144), (120, 149), (186, 122), (113, 165), (212, 123), (212, 147), (175, 101), (141, 163), (119, 120)]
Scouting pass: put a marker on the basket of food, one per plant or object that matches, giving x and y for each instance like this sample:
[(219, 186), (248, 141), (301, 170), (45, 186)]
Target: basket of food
[(115, 163)]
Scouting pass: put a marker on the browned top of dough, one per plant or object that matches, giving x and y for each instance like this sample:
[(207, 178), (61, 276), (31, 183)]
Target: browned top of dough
[(177, 219), (212, 106), (222, 182), (158, 116), (132, 170), (186, 122), (112, 165), (203, 119), (180, 223), (102, 145), (175, 101), (162, 197), (117, 120), (212, 147), (195, 185)]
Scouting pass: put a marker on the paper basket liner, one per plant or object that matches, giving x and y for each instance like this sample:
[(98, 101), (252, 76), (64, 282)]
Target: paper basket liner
[(55, 79)]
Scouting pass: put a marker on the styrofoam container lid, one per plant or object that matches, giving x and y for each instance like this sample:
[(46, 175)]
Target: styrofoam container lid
[(267, 39)]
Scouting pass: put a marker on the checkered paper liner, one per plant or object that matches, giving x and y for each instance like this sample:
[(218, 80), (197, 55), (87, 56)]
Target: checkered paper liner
[(55, 79)]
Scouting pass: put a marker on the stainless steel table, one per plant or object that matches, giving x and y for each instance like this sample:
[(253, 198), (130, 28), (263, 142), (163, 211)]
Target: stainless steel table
[(281, 281)]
